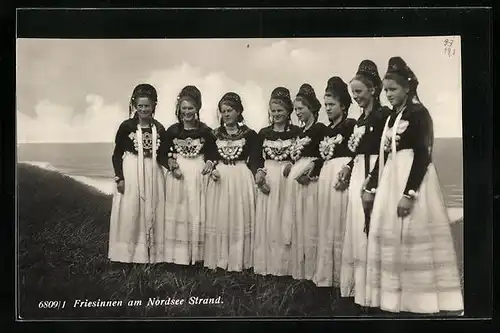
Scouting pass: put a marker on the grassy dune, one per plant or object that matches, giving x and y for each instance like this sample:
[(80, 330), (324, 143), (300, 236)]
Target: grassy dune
[(63, 235)]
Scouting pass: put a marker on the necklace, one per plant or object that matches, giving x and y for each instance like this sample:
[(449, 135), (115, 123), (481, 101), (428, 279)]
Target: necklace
[(190, 128), (232, 130), (280, 130)]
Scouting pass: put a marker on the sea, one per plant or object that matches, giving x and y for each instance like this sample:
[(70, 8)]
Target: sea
[(90, 163)]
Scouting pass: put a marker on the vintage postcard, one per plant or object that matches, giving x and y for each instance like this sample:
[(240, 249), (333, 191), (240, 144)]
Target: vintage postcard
[(242, 177)]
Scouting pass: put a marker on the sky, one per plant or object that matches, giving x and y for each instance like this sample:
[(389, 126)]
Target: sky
[(78, 90)]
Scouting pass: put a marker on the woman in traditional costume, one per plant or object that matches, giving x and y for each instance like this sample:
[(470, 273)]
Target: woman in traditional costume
[(411, 258), (272, 158), (136, 226), (366, 87), (300, 212), (190, 148), (230, 218), (332, 197)]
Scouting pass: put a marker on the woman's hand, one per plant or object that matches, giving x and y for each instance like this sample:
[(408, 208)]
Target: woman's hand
[(365, 183), (265, 188), (172, 164), (177, 173), (342, 185), (287, 169), (308, 169), (367, 200), (303, 180), (215, 175), (260, 177), (209, 165), (405, 206), (120, 186), (344, 175)]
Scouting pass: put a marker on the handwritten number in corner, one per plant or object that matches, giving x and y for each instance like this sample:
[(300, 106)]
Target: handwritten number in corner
[(449, 49)]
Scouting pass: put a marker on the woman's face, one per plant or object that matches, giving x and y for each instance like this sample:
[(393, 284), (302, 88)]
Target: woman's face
[(144, 107), (395, 93), (333, 108), (188, 111), (361, 93), (302, 111), (228, 114), (279, 114)]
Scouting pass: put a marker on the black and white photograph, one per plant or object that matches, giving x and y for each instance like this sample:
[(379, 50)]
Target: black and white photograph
[(240, 177)]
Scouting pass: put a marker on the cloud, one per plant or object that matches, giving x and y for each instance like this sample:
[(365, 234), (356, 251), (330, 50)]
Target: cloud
[(56, 123), (212, 86), (284, 60), (99, 121), (305, 58), (270, 56), (251, 73)]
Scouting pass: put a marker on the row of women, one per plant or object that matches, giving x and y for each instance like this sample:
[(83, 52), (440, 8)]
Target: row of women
[(355, 204)]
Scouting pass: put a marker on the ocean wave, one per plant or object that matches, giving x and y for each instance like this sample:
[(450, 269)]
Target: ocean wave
[(107, 186), (103, 185), (43, 165)]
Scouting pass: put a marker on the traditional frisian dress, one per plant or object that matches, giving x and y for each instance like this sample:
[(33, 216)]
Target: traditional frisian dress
[(271, 255), (136, 226), (364, 145), (411, 261), (332, 204), (230, 218), (300, 211), (185, 198)]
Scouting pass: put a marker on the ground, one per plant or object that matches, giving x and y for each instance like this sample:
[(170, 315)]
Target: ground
[(63, 235)]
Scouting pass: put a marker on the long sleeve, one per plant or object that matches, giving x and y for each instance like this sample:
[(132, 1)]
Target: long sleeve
[(254, 143), (209, 147), (373, 182), (318, 165), (162, 156), (117, 157), (256, 160), (167, 144), (371, 141), (318, 132), (422, 135)]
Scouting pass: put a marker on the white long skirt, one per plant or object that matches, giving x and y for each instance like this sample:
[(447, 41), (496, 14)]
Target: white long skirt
[(128, 236), (271, 255), (230, 218), (353, 269), (332, 210), (300, 222), (185, 212), (411, 261)]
